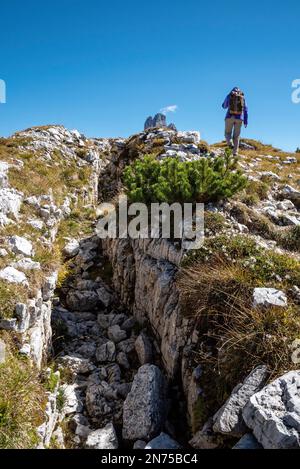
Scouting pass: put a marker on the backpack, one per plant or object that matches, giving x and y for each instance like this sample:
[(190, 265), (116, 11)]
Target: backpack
[(236, 102)]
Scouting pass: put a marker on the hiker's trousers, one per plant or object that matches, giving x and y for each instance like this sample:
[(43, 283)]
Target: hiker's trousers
[(233, 128)]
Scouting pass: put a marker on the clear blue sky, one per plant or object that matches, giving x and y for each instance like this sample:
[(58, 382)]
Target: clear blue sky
[(102, 67)]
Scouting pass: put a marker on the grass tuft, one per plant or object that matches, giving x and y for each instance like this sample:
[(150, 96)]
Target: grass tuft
[(22, 400)]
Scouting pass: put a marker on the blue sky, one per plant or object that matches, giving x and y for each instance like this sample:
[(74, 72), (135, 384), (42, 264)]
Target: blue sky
[(103, 67)]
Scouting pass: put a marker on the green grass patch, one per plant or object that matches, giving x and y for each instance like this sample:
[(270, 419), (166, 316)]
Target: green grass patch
[(10, 295), (22, 400)]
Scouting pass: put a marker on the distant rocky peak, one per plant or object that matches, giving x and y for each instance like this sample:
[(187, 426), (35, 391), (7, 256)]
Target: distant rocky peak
[(158, 121)]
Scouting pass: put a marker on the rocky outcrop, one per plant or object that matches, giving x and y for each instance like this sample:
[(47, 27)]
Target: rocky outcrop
[(145, 408), (273, 414), (158, 121), (229, 420), (144, 275), (10, 204), (104, 438), (45, 431), (32, 319), (2, 352), (12, 275), (267, 297), (144, 349)]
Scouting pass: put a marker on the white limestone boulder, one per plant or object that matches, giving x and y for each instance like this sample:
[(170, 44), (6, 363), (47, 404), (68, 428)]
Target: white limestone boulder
[(12, 275), (268, 297), (20, 245), (273, 414)]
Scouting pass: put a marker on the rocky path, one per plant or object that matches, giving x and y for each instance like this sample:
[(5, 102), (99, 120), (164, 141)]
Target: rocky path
[(100, 350)]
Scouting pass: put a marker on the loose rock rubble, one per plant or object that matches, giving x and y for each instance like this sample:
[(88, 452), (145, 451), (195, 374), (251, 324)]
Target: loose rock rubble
[(96, 350)]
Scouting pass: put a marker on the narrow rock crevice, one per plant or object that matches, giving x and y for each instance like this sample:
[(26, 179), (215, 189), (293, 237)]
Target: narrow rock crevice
[(100, 349)]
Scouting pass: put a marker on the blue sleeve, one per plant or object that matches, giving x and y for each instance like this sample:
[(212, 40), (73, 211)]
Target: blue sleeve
[(226, 102), (246, 114)]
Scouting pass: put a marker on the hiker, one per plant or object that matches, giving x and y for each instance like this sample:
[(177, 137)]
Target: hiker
[(237, 114)]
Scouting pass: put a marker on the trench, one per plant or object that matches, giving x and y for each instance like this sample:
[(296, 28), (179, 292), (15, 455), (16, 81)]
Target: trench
[(98, 362)]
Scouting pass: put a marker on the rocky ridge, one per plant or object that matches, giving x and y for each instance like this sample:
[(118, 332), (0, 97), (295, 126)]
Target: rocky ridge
[(119, 333)]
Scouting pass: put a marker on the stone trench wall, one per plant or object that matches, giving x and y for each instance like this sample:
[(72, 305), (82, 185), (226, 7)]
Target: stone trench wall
[(144, 276)]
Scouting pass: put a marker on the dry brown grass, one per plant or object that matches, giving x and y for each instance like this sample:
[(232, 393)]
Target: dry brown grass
[(256, 222), (254, 192), (265, 164), (234, 337)]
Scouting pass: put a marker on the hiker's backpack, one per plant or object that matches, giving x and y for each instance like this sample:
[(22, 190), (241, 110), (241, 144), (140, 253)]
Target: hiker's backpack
[(236, 102)]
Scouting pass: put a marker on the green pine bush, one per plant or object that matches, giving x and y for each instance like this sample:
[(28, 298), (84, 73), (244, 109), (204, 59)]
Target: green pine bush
[(208, 179)]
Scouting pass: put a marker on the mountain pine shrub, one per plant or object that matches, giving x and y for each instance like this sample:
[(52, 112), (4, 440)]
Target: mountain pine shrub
[(170, 180)]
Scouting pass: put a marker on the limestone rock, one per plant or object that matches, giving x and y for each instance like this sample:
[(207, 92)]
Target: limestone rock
[(163, 441), (116, 334), (273, 414), (106, 352), (27, 264), (270, 175), (246, 146), (148, 123), (189, 137), (12, 275), (3, 174), (71, 249), (289, 192), (9, 324), (102, 402), (122, 360), (82, 300), (10, 204), (72, 399), (23, 315), (144, 409), (25, 350), (36, 224), (104, 296), (159, 120), (104, 438), (103, 321), (76, 365), (229, 420), (20, 245), (143, 349), (49, 286), (285, 205), (295, 292), (267, 297), (2, 352)]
